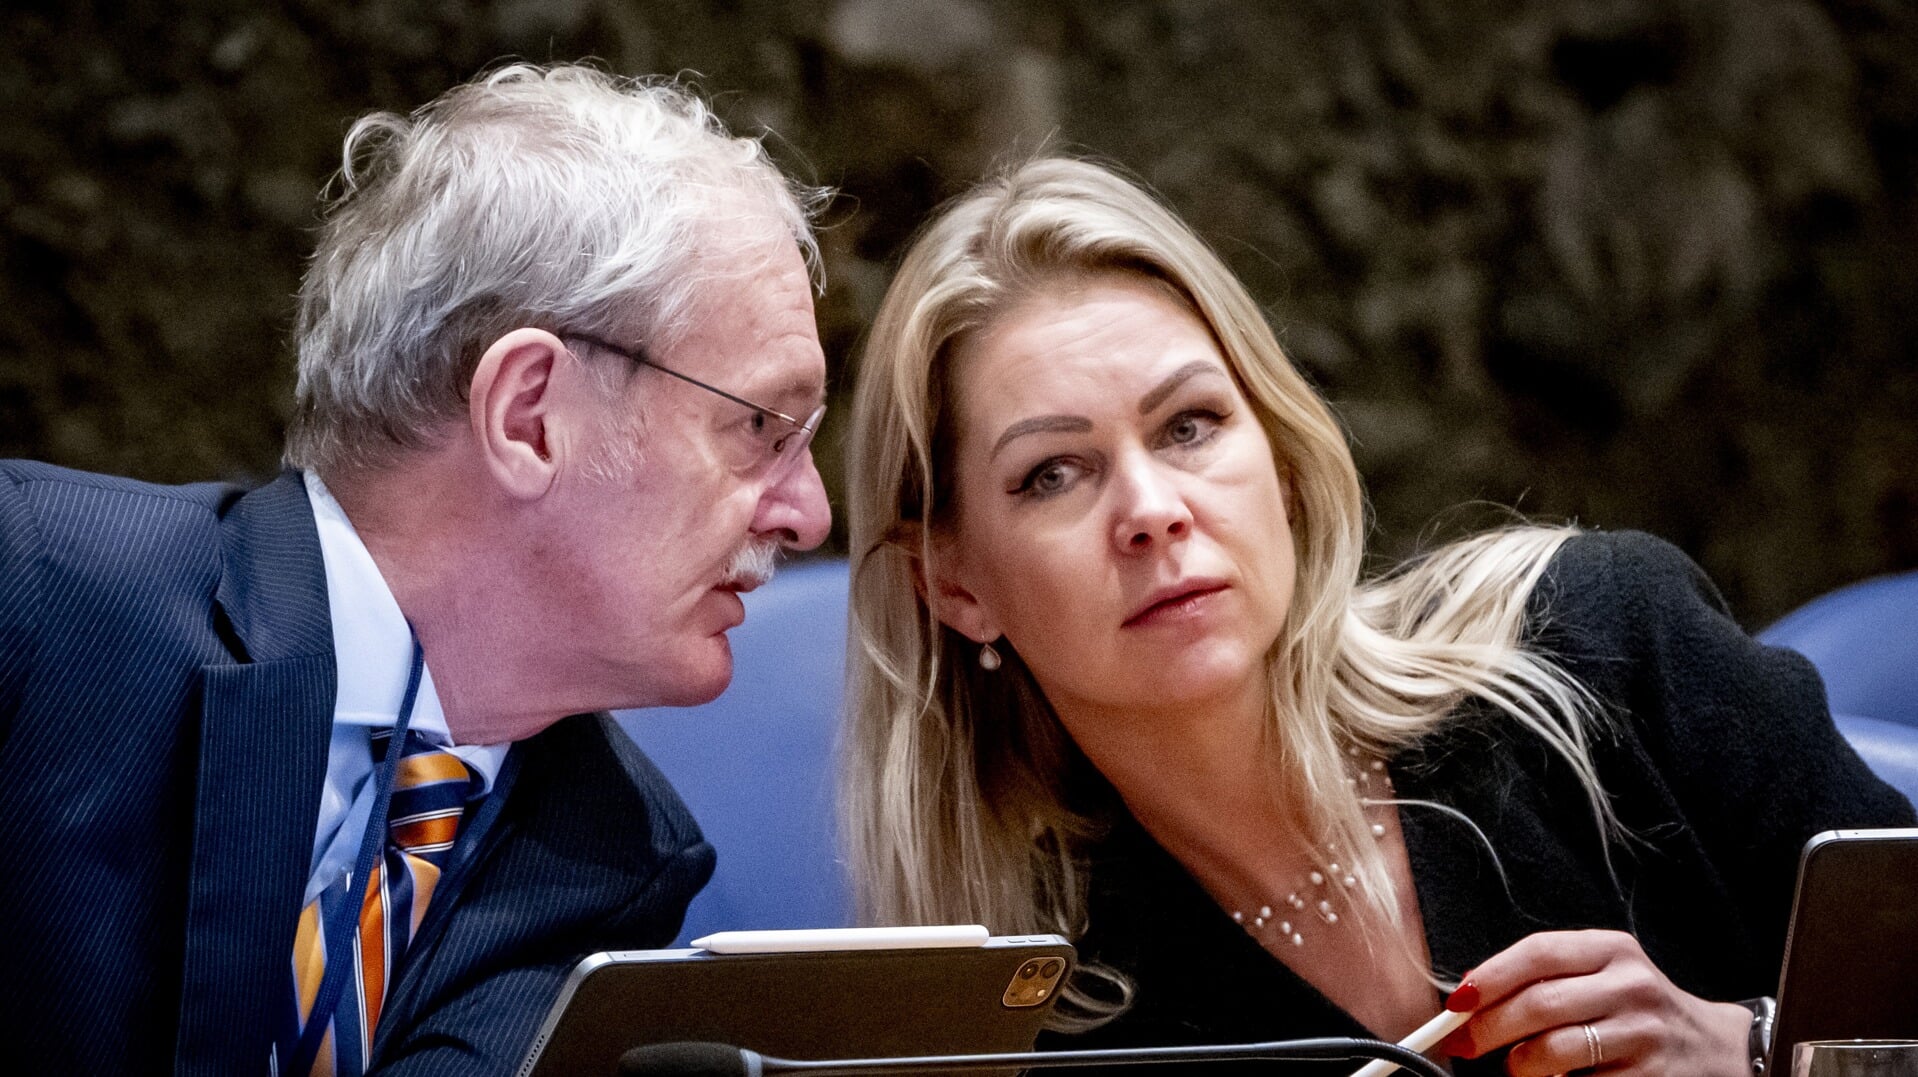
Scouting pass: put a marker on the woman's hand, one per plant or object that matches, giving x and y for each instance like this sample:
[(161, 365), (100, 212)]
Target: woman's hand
[(1591, 1000)]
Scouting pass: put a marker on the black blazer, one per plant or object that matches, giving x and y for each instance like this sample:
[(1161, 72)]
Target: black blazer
[(167, 680), (1722, 762)]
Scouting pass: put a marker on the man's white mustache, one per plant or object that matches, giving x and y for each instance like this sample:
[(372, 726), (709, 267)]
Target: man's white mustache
[(752, 566)]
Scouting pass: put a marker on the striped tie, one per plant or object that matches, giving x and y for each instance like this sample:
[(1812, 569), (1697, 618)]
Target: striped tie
[(430, 791)]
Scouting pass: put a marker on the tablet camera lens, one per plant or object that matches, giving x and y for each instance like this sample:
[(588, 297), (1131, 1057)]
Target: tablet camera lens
[(1034, 981)]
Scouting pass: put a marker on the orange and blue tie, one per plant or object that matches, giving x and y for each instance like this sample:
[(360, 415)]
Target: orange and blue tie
[(430, 792)]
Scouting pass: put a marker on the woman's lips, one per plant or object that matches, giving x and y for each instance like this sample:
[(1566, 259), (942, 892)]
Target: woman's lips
[(1183, 602)]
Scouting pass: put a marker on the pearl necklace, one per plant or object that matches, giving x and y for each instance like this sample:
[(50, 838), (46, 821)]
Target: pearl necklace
[(1322, 906), (1317, 892)]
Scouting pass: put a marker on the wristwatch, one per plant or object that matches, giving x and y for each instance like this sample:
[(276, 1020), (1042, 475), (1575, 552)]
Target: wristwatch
[(1758, 1046)]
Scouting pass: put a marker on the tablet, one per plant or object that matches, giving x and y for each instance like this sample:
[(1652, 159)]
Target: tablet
[(1851, 958), (816, 1005)]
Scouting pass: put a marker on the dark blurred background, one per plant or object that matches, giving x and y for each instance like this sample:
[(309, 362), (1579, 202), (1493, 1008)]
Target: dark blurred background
[(1638, 263)]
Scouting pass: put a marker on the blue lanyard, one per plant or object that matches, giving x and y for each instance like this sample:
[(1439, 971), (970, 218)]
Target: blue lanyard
[(343, 926)]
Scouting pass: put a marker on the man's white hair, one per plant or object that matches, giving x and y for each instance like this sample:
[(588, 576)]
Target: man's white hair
[(559, 198)]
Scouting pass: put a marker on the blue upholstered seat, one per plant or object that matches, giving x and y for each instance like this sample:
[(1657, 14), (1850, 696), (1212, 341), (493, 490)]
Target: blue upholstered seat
[(756, 764), (1864, 641)]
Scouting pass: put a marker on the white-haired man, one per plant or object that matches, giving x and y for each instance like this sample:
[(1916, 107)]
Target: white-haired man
[(286, 776)]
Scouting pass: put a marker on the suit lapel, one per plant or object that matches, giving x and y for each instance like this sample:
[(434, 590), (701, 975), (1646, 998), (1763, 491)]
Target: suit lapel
[(265, 723)]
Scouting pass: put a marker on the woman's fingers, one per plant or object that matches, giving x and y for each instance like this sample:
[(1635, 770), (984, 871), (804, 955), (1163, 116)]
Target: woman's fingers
[(1545, 955), (1592, 1045), (1542, 982), (1566, 1001)]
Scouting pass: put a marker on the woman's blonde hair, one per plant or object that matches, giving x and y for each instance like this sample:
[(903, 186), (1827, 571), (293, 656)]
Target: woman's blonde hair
[(965, 801)]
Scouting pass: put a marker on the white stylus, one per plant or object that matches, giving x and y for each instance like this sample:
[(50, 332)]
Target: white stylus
[(843, 938), (1422, 1039)]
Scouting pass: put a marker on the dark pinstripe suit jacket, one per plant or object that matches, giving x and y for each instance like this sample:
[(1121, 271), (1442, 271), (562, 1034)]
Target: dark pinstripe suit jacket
[(166, 696)]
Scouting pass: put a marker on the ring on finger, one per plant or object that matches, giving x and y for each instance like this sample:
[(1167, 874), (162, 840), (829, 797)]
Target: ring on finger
[(1594, 1045)]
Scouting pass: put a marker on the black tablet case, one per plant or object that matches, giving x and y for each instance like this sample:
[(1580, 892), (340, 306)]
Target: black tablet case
[(1851, 959), (816, 1005)]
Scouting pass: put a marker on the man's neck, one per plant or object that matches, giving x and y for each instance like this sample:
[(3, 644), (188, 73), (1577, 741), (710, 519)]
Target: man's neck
[(433, 536)]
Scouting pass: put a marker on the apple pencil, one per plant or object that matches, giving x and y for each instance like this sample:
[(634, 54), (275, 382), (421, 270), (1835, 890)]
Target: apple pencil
[(843, 938), (1422, 1039)]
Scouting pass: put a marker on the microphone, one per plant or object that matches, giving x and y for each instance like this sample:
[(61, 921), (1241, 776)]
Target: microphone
[(724, 1060)]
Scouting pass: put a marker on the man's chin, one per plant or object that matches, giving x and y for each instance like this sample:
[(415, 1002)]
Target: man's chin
[(703, 681)]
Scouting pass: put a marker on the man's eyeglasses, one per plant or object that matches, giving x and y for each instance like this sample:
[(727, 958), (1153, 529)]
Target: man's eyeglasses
[(779, 439)]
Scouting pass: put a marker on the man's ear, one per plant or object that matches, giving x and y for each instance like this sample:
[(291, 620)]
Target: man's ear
[(944, 586), (513, 405)]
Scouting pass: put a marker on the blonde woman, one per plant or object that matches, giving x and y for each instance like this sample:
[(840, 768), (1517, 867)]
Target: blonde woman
[(1115, 675)]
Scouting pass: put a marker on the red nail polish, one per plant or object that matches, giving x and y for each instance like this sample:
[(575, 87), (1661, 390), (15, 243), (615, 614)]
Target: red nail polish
[(1456, 1045), (1464, 999)]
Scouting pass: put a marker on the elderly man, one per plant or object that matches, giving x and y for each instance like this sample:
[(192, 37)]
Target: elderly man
[(287, 781)]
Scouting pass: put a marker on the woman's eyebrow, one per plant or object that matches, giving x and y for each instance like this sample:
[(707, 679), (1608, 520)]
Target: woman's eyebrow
[(1078, 424), (1041, 424), (1172, 382)]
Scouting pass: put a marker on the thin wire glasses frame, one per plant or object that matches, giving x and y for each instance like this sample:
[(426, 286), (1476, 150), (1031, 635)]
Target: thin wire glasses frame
[(782, 453)]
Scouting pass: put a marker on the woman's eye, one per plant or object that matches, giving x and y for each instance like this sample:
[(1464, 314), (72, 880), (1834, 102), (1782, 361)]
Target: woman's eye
[(1189, 428), (1050, 477)]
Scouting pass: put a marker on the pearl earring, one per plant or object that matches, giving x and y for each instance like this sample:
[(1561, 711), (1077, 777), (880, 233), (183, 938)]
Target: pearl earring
[(989, 659)]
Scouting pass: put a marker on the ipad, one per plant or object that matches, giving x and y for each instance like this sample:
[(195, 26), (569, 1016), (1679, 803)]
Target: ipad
[(818, 1005), (1851, 959)]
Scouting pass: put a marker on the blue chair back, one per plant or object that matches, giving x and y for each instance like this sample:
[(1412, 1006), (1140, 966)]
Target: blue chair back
[(1864, 641), (756, 764)]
